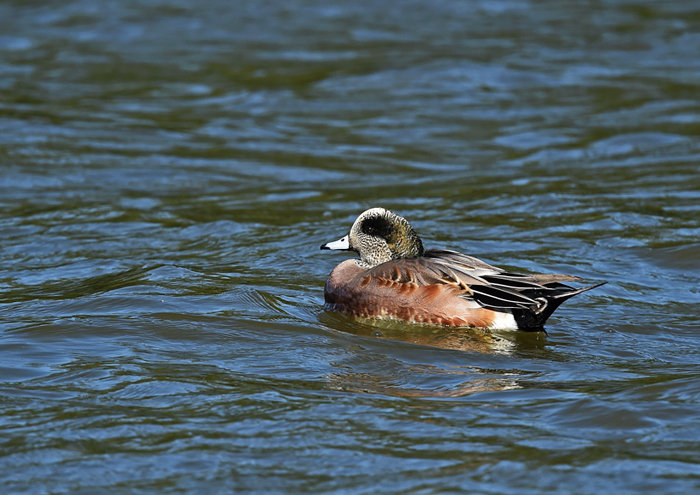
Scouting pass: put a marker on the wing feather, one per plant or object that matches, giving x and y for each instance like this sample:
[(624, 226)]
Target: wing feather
[(489, 286)]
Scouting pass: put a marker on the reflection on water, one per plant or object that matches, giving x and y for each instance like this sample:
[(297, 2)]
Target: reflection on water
[(463, 339), (422, 380), (378, 385), (169, 169)]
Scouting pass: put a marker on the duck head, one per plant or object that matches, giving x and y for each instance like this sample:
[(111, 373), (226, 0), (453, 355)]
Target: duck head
[(379, 235)]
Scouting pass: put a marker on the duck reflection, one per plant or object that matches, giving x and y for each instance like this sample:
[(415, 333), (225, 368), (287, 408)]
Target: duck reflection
[(393, 371), (374, 384), (457, 338)]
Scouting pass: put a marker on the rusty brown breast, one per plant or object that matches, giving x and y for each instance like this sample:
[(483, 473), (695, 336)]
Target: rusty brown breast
[(399, 290)]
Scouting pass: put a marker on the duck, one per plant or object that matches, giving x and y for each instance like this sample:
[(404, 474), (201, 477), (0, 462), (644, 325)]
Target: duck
[(396, 278)]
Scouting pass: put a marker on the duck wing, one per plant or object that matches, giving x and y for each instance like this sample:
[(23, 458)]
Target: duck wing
[(497, 289), (474, 279)]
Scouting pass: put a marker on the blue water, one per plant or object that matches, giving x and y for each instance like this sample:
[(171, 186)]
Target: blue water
[(168, 171)]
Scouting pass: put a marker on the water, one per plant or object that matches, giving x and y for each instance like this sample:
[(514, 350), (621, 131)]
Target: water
[(168, 171)]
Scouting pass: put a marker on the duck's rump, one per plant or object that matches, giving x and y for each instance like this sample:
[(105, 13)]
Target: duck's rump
[(531, 298)]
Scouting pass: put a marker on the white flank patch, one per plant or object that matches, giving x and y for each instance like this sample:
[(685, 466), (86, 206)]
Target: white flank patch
[(504, 321)]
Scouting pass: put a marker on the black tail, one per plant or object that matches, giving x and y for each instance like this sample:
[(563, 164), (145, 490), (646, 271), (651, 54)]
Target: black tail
[(549, 299)]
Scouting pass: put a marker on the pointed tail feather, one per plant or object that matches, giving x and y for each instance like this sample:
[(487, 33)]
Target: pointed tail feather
[(576, 292), (535, 318)]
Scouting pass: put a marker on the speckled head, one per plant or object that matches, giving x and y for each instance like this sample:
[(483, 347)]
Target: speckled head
[(379, 235)]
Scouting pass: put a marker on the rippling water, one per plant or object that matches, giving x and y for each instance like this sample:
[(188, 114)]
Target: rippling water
[(168, 171)]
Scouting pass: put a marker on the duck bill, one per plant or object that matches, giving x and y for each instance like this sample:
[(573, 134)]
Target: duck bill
[(342, 244)]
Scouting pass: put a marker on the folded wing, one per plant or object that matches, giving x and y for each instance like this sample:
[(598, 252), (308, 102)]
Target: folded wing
[(489, 286)]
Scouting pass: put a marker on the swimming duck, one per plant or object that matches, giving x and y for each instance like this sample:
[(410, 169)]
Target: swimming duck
[(397, 278)]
